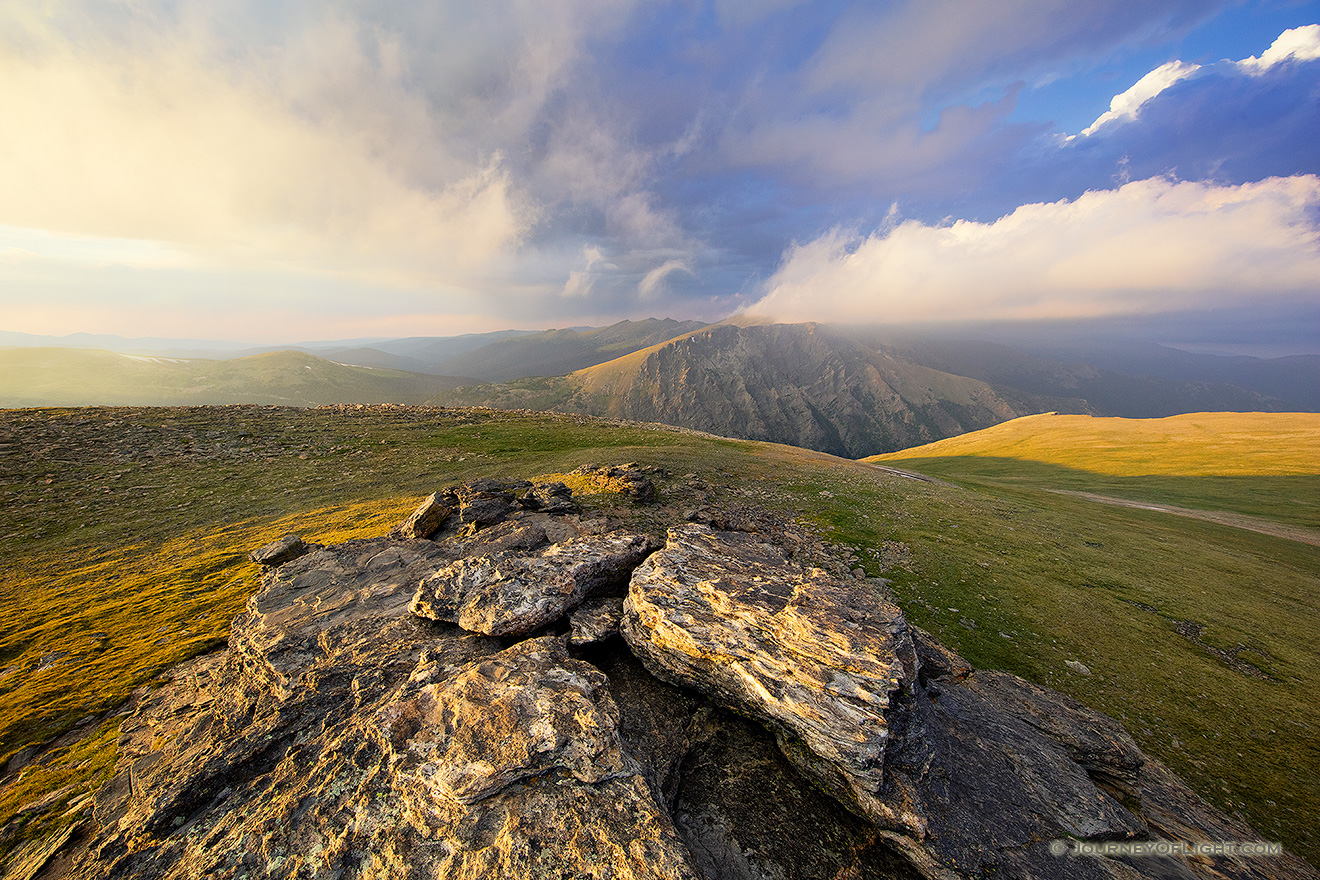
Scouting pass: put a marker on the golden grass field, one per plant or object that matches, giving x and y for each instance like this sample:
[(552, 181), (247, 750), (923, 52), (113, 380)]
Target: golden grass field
[(1198, 444)]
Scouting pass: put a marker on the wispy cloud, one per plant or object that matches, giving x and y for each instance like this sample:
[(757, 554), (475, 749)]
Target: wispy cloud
[(1150, 246), (651, 285)]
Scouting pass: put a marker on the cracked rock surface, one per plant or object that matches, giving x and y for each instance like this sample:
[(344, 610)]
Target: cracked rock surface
[(464, 707)]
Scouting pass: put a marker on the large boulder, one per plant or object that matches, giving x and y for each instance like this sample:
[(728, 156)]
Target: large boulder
[(965, 774), (427, 518), (819, 659), (283, 549)]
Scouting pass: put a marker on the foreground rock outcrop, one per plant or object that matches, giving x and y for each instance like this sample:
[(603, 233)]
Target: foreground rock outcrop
[(532, 692)]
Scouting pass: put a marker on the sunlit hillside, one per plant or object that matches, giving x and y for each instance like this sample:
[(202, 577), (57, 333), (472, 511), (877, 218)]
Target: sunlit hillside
[(1197, 444)]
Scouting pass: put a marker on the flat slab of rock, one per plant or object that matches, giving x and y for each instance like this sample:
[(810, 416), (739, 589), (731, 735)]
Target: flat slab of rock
[(524, 712), (510, 593), (818, 659), (967, 774)]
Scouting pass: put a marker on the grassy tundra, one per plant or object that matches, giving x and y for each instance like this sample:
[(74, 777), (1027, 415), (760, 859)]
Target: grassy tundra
[(126, 531)]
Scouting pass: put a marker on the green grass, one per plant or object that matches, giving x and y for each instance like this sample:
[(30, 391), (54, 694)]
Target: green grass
[(1036, 578)]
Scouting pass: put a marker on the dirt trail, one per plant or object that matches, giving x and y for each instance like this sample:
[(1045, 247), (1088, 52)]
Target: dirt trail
[(1236, 520)]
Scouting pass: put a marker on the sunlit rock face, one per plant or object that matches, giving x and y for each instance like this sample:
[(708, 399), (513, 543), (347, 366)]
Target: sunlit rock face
[(464, 706), (819, 659)]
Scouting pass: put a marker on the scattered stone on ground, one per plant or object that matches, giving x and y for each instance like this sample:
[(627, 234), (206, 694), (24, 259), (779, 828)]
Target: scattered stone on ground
[(281, 550), (426, 520)]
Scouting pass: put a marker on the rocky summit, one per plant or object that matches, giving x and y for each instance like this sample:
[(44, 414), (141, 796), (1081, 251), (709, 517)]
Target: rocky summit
[(509, 685)]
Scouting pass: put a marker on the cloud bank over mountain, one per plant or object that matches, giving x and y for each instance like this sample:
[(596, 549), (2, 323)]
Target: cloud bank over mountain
[(1150, 246)]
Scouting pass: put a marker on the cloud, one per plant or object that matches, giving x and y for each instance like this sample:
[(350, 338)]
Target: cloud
[(1231, 121), (1126, 105), (1300, 44), (1148, 247), (653, 283), (155, 144), (951, 45), (1296, 44)]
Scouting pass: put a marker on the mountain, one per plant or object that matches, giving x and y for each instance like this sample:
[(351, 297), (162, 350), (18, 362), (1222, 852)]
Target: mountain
[(417, 354), (1294, 380), (1114, 380), (85, 377), (798, 384), (556, 352), (846, 391)]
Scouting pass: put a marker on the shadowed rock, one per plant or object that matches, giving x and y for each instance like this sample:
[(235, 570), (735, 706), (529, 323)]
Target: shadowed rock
[(549, 498), (508, 593), (594, 621), (967, 774), (817, 658), (486, 501)]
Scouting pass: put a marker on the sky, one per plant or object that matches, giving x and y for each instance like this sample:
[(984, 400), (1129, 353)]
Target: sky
[(330, 170)]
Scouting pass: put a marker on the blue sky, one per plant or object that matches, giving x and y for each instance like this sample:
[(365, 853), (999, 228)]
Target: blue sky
[(333, 170)]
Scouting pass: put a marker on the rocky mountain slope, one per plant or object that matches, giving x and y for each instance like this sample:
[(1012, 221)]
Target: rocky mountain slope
[(504, 686), (788, 383), (557, 352), (847, 391)]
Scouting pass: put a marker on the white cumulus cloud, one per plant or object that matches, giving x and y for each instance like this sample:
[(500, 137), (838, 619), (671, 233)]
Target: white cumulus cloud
[(1300, 44), (1295, 44), (1150, 246), (1126, 105)]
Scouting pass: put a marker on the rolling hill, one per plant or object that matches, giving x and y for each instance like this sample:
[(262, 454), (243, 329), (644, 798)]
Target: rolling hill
[(83, 377), (1252, 470), (557, 352), (847, 391)]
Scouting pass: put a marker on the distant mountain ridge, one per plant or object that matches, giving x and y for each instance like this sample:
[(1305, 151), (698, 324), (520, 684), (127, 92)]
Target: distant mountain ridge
[(87, 377), (845, 390)]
